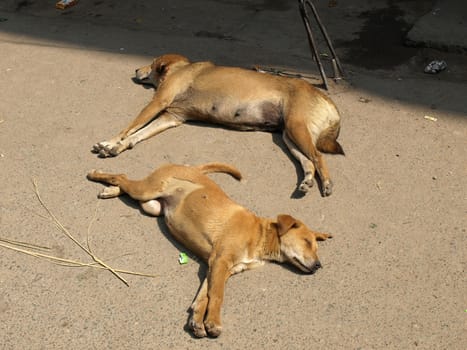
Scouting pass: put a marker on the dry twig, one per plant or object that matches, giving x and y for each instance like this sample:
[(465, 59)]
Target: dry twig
[(69, 262), (23, 244), (69, 235), (98, 263)]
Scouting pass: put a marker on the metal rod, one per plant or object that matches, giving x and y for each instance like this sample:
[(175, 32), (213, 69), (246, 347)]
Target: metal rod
[(337, 74), (311, 41), (326, 36)]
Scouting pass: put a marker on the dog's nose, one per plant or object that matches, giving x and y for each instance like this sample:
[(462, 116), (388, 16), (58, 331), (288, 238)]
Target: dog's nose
[(316, 266)]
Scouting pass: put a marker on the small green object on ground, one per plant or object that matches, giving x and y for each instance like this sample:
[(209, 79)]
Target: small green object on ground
[(183, 258)]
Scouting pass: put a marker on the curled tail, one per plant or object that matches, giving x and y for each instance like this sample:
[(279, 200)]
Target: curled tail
[(220, 168), (327, 141)]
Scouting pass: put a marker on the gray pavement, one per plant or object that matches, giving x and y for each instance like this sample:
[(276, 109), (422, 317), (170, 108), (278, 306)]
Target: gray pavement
[(394, 273), (444, 27)]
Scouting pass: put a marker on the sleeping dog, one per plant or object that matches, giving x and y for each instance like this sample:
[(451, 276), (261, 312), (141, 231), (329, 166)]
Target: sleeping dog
[(237, 98), (227, 236)]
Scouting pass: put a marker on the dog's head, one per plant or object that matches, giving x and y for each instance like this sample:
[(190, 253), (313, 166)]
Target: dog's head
[(159, 69), (298, 244)]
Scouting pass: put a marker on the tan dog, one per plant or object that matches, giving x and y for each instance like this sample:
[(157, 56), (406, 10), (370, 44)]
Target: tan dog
[(238, 98), (224, 234)]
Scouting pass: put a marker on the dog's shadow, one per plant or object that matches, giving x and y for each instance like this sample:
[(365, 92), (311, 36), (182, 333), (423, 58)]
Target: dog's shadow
[(145, 85)]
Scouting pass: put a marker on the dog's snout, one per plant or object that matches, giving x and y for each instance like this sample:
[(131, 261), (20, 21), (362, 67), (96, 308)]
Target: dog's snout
[(317, 265), (139, 74)]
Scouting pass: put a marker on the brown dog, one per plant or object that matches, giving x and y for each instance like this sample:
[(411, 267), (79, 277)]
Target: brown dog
[(224, 234), (238, 98)]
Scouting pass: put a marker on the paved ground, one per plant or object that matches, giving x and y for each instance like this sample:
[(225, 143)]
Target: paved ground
[(394, 275), (443, 27)]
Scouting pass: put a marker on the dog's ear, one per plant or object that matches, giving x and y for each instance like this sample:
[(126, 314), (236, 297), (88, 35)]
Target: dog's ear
[(161, 68), (322, 236), (285, 223)]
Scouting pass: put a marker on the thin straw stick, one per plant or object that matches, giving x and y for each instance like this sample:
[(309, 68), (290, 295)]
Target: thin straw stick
[(71, 263), (23, 244), (69, 235)]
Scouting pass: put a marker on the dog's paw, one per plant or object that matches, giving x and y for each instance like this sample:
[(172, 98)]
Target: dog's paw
[(306, 184), (197, 328), (99, 146), (109, 192), (327, 188), (106, 149), (213, 329), (92, 174), (102, 149)]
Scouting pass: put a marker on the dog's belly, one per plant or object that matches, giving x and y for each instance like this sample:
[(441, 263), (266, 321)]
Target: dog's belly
[(198, 219), (189, 235), (261, 115)]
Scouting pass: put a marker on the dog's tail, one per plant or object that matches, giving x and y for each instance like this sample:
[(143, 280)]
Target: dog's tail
[(327, 140), (220, 168)]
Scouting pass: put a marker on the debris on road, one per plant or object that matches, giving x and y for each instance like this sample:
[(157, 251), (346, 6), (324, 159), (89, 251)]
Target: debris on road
[(63, 4), (183, 258), (435, 67), (97, 262), (433, 119)]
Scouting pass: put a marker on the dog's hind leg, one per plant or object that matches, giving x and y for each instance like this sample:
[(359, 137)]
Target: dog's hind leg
[(301, 137), (120, 184), (110, 192), (307, 165), (136, 189), (115, 180)]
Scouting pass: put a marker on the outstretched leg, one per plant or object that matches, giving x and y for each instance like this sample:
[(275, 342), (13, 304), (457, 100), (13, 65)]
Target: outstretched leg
[(198, 311), (120, 184), (307, 165), (130, 137), (301, 137), (135, 189), (219, 272)]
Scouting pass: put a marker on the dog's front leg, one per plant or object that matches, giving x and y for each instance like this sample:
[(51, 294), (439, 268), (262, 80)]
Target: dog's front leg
[(118, 144), (157, 105), (198, 311), (163, 122), (219, 272)]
